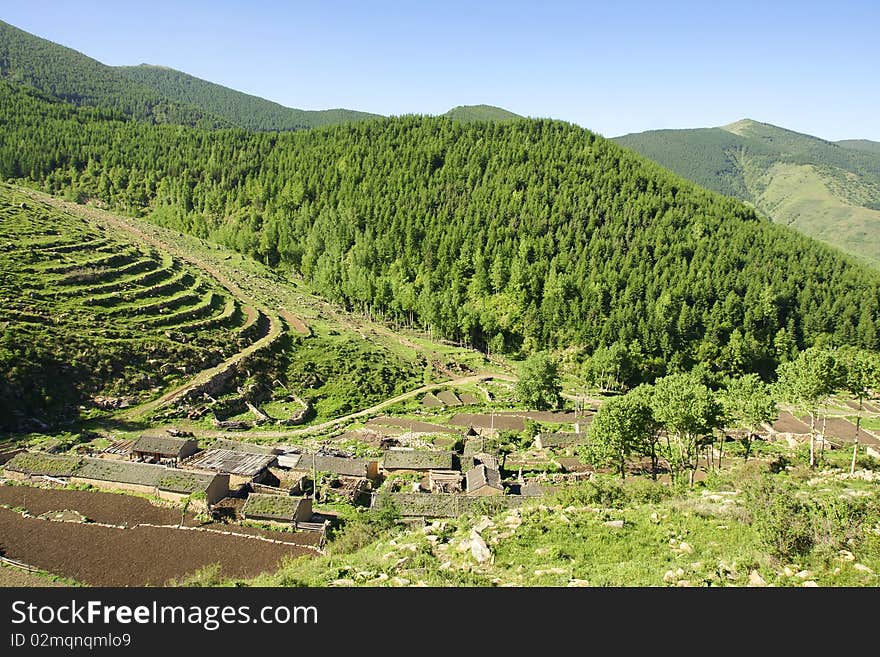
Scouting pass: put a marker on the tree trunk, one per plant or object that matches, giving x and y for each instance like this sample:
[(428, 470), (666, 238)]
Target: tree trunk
[(812, 440), (720, 450), (852, 466)]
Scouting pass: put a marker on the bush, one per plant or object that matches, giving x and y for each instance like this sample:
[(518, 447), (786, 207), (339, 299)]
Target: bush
[(791, 525), (781, 518)]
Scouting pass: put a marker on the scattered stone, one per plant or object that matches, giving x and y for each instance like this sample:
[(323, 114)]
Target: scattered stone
[(446, 565), (400, 581), (683, 583), (810, 584), (863, 568), (578, 583), (542, 551), (685, 547), (483, 524), (549, 571), (342, 582), (846, 555), (655, 518), (804, 574), (479, 550), (381, 577), (755, 579), (431, 538), (614, 524), (564, 519)]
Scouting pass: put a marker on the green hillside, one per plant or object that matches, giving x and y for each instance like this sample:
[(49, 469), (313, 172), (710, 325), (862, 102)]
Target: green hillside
[(71, 76), (825, 190), (468, 113), (520, 236), (861, 145), (240, 109), (87, 313)]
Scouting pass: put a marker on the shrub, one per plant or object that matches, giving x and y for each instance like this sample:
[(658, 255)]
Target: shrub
[(781, 518)]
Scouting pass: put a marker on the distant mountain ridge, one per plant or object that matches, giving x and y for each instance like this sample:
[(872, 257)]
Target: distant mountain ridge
[(154, 94), (827, 190), (75, 78), (471, 113), (241, 109)]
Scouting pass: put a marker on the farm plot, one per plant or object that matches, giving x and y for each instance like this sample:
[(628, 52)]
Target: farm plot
[(839, 429), (141, 556), (788, 423), (107, 508), (120, 319), (126, 511)]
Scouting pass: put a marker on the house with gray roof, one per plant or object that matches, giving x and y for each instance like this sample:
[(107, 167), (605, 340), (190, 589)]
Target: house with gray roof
[(483, 481), (154, 447)]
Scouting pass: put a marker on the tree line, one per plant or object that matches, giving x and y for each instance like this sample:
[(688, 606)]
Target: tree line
[(511, 237)]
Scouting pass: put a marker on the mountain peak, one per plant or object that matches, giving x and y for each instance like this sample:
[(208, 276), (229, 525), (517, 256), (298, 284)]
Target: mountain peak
[(468, 113)]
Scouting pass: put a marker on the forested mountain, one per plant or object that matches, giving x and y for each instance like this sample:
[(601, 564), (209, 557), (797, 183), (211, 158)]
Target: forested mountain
[(860, 145), (522, 235), (71, 76), (239, 109), (467, 113), (825, 190)]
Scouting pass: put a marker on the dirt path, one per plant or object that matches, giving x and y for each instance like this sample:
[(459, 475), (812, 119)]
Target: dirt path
[(473, 378), (276, 328)]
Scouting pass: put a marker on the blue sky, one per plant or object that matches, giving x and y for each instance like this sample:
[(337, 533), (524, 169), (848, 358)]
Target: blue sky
[(614, 67)]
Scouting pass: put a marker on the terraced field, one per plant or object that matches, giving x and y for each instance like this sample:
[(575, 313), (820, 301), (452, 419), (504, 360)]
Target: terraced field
[(91, 315)]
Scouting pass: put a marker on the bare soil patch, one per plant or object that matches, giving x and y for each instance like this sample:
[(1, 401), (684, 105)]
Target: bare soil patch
[(141, 556)]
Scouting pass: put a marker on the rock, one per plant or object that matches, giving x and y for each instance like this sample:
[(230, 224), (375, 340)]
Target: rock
[(564, 519), (479, 550), (755, 579), (846, 555), (399, 581), (381, 577), (446, 565), (685, 547), (669, 576), (696, 565), (578, 583), (483, 524), (655, 518), (788, 571), (614, 524), (803, 574), (862, 568), (431, 538), (683, 583), (810, 584), (542, 551), (342, 582), (550, 571)]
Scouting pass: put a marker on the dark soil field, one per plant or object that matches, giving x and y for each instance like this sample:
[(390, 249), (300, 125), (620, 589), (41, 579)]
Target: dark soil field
[(140, 556), (126, 511), (107, 508), (839, 429), (788, 423), (10, 576)]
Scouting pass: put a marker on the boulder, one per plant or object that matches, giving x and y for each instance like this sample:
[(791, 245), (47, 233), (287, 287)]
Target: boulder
[(614, 524), (755, 579)]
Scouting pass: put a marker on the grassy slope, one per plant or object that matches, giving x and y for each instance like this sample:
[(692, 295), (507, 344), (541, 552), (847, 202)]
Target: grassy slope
[(704, 537), (822, 189), (241, 109), (861, 145), (469, 113)]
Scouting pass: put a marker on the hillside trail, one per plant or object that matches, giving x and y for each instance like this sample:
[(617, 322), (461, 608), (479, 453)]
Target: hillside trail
[(329, 424), (276, 327)]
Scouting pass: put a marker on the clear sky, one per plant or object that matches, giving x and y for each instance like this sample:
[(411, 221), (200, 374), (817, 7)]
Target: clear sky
[(614, 67)]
